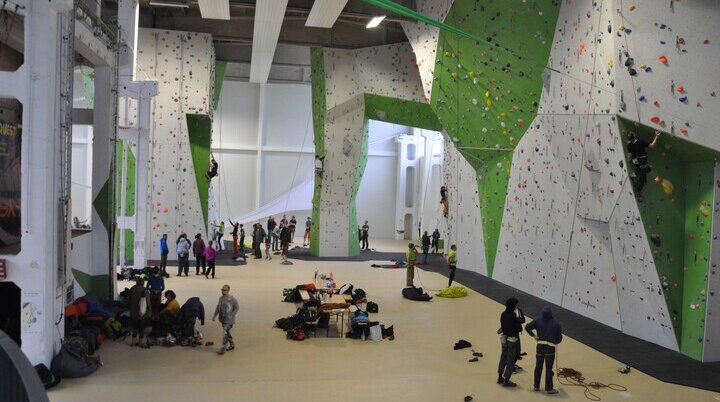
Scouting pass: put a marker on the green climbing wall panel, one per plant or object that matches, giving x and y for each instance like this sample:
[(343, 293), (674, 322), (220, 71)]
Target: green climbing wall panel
[(129, 195), (200, 133), (485, 94), (220, 67), (319, 113), (676, 209), (397, 111), (94, 284)]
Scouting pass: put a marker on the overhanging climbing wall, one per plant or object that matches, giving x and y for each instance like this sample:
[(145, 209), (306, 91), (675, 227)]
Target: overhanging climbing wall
[(183, 64), (349, 87), (560, 217)]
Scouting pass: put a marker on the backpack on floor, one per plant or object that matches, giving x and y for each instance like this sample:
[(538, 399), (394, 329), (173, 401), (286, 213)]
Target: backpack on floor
[(372, 307), (346, 289), (296, 334)]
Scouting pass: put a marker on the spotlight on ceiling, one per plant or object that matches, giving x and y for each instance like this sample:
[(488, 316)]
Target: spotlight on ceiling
[(169, 4), (375, 22)]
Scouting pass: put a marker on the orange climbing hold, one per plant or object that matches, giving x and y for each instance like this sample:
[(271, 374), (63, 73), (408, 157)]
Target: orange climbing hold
[(663, 59), (680, 88), (520, 122), (581, 47), (683, 130), (657, 180), (655, 119)]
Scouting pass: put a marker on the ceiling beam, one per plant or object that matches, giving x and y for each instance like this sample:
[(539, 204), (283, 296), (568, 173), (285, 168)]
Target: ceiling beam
[(324, 13), (269, 15)]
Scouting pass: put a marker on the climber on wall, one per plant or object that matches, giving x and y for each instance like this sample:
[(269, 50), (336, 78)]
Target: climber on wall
[(444, 200), (637, 149), (213, 171), (319, 161)]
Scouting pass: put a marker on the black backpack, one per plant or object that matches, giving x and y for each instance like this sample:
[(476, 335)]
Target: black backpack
[(359, 294), (372, 307)]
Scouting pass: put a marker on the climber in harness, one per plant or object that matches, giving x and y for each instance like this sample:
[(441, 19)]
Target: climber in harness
[(637, 149), (213, 171)]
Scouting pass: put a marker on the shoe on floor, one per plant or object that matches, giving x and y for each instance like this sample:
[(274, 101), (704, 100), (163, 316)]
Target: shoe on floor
[(552, 391), (536, 389), (500, 380), (509, 384), (474, 359), (517, 368), (229, 348), (221, 351), (523, 354)]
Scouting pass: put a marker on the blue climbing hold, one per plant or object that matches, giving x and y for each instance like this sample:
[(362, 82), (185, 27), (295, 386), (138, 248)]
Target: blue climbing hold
[(663, 26), (683, 99), (628, 30), (662, 42), (642, 98), (648, 69)]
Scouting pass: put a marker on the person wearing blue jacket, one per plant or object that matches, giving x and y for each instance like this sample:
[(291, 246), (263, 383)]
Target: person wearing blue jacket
[(164, 251), (549, 334)]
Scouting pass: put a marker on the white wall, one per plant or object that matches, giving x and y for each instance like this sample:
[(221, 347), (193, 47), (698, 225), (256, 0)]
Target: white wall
[(263, 141)]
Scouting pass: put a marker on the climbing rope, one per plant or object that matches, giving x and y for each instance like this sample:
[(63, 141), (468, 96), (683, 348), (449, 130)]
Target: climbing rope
[(575, 378), (222, 166), (297, 165)]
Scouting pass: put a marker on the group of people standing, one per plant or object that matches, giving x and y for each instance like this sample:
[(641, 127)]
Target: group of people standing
[(204, 255)]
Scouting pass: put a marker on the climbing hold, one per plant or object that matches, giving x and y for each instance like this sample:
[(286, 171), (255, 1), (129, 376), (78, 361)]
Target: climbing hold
[(704, 210), (656, 103), (520, 122), (683, 99), (655, 119), (655, 239), (683, 130), (657, 180), (642, 98), (680, 88), (667, 186), (691, 236), (613, 278), (663, 59)]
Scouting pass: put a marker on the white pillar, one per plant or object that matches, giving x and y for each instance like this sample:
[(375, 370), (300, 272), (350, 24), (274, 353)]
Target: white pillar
[(262, 124)]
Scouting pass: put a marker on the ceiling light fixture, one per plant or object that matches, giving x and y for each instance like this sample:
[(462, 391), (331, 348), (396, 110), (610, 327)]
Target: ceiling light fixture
[(163, 4), (375, 22)]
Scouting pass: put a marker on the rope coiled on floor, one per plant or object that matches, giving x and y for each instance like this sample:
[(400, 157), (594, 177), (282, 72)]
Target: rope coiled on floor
[(575, 378)]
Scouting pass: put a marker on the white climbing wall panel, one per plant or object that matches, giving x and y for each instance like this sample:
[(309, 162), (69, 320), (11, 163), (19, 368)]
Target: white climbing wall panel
[(349, 74), (643, 313), (424, 38), (463, 226), (183, 64)]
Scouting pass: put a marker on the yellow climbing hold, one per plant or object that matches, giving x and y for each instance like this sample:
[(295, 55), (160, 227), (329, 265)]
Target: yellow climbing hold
[(667, 186), (611, 63), (488, 103), (453, 75), (487, 94), (503, 115), (471, 73), (704, 210)]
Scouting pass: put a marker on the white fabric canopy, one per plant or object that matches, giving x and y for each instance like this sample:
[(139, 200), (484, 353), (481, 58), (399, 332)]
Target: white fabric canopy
[(299, 198)]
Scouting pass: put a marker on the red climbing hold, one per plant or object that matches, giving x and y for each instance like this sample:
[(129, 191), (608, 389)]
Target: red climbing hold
[(655, 119), (613, 278), (657, 180), (683, 131), (520, 122), (663, 59), (680, 88)]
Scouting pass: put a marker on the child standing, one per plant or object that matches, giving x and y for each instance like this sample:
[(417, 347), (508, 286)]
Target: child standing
[(210, 259)]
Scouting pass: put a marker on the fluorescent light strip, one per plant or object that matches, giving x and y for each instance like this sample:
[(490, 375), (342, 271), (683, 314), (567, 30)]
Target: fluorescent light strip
[(269, 15), (176, 5), (215, 9), (375, 22), (324, 13)]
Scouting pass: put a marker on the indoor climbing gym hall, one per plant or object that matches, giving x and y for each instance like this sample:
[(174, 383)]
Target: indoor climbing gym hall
[(441, 200)]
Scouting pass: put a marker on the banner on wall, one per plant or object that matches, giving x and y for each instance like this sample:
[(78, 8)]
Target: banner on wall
[(10, 197)]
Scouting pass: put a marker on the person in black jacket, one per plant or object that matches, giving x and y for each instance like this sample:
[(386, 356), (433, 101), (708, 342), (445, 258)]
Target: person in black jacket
[(509, 331), (548, 336)]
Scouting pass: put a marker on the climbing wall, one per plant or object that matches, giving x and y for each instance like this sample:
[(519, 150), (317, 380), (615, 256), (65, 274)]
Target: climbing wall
[(711, 351), (382, 78), (183, 64), (677, 84), (424, 38), (463, 225)]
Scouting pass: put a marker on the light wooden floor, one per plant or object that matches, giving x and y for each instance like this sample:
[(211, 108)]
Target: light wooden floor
[(419, 365)]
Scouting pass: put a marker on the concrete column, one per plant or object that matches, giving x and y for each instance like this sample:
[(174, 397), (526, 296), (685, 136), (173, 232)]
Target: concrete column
[(262, 126)]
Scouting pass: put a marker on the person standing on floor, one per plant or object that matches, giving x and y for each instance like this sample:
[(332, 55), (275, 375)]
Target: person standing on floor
[(226, 310), (210, 255), (364, 234), (220, 234), (276, 238), (241, 242), (425, 240), (271, 225), (268, 242), (156, 285), (410, 255), (306, 236), (236, 227), (549, 335), (452, 263), (284, 240), (199, 251), (140, 311), (259, 239), (509, 331), (182, 247), (164, 251), (435, 241), (292, 225)]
